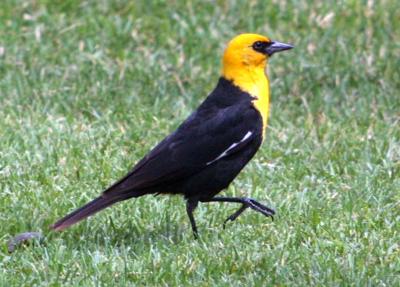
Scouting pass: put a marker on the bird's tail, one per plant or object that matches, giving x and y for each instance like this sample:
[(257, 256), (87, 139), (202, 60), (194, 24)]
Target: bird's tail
[(85, 211)]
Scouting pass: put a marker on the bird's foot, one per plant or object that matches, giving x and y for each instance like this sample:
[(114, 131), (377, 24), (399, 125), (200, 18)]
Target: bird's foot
[(253, 204)]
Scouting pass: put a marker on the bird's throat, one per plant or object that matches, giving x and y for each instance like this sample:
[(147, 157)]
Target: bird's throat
[(255, 82)]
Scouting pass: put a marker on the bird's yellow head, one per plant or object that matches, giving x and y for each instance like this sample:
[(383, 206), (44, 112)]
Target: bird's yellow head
[(244, 64), (249, 51)]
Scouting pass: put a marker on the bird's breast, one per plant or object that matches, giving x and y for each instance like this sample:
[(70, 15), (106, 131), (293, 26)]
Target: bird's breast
[(261, 102), (254, 81), (258, 87)]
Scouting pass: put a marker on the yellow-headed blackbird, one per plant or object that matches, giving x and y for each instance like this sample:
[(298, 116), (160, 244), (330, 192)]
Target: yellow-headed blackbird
[(210, 148)]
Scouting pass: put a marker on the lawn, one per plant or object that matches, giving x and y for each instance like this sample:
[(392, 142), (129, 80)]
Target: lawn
[(88, 87)]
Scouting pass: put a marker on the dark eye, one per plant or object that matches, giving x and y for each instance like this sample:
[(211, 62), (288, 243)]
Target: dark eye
[(259, 45)]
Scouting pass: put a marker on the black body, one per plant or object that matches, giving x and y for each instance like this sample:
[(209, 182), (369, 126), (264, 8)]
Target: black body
[(198, 160)]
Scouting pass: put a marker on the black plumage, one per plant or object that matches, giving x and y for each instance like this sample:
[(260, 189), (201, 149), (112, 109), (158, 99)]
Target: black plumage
[(198, 160)]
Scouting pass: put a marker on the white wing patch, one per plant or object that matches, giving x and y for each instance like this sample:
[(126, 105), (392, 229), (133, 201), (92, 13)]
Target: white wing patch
[(232, 146)]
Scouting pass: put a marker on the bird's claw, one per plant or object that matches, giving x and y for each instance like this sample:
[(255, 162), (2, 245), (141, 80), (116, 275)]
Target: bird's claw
[(230, 218), (253, 204)]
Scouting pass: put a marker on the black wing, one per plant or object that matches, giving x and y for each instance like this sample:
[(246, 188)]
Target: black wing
[(208, 135)]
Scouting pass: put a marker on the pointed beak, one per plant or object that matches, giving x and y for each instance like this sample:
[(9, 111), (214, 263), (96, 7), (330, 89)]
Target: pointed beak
[(277, 47)]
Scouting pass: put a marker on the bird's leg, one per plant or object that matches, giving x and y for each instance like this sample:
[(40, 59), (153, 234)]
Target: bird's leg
[(190, 207), (246, 203)]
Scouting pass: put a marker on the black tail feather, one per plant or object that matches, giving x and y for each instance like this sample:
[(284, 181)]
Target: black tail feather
[(85, 211)]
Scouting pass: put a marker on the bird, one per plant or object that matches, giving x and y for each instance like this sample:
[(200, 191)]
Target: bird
[(209, 149)]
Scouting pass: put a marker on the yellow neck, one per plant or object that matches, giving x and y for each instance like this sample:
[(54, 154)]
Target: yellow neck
[(254, 81)]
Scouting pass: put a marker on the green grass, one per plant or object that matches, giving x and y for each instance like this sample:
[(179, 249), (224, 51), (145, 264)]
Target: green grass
[(88, 87)]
